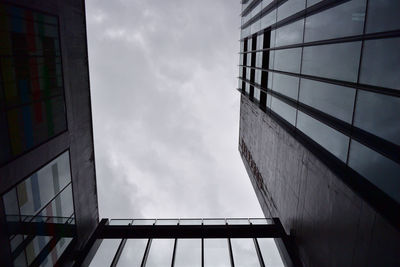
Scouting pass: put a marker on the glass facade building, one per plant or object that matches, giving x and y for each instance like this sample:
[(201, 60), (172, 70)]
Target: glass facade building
[(319, 132), (329, 71)]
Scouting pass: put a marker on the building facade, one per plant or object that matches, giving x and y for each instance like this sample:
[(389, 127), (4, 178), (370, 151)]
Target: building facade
[(319, 124), (47, 172)]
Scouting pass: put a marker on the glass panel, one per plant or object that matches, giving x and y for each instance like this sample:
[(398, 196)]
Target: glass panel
[(332, 99), (290, 7), (11, 205), (268, 19), (378, 114), (56, 252), (335, 61), (290, 34), (213, 221), (160, 253), (133, 253), (288, 60), (270, 252), (284, 110), (188, 253), (261, 221), (343, 20), (105, 253), (286, 85), (120, 221), (381, 63), (216, 253), (383, 15), (166, 222), (238, 221), (244, 252), (30, 81), (332, 140), (378, 169), (257, 94), (190, 221), (143, 222)]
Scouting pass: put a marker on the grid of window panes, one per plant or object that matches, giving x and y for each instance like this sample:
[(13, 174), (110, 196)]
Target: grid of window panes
[(32, 106), (190, 252), (45, 196), (330, 71)]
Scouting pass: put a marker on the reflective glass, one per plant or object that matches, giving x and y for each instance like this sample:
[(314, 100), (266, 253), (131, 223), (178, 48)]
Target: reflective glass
[(213, 221), (160, 253), (270, 252), (381, 63), (143, 222), (269, 100), (330, 139), (378, 114), (261, 221), (259, 59), (188, 253), (260, 41), (257, 94), (286, 85), (190, 221), (167, 222), (383, 15), (244, 252), (120, 221), (105, 253), (284, 110), (342, 20), (335, 61), (10, 202), (268, 19), (289, 8), (312, 2), (238, 221), (216, 253), (290, 34), (379, 170), (288, 60), (332, 99), (133, 253)]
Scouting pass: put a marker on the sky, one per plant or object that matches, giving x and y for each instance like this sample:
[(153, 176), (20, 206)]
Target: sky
[(165, 109)]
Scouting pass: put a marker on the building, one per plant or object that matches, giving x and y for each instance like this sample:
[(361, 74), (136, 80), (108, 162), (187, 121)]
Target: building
[(47, 171), (319, 132)]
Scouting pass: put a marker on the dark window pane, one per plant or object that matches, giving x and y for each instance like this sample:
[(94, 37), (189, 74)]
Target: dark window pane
[(188, 253), (330, 139), (133, 253), (332, 99), (216, 253), (378, 169), (288, 60), (381, 63), (244, 252), (383, 15), (290, 34), (160, 253), (286, 85), (284, 110), (335, 61), (342, 20), (378, 114)]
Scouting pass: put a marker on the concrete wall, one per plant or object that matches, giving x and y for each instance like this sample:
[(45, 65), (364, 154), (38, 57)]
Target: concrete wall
[(79, 137), (332, 226)]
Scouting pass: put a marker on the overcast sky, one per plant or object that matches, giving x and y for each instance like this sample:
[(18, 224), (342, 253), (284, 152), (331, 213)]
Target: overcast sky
[(165, 109)]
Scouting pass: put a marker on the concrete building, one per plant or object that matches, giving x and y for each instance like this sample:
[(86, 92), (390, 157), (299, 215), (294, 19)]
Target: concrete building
[(47, 171), (319, 132)]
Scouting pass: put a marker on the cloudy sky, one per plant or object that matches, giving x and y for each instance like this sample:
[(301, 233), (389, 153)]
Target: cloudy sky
[(165, 109)]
